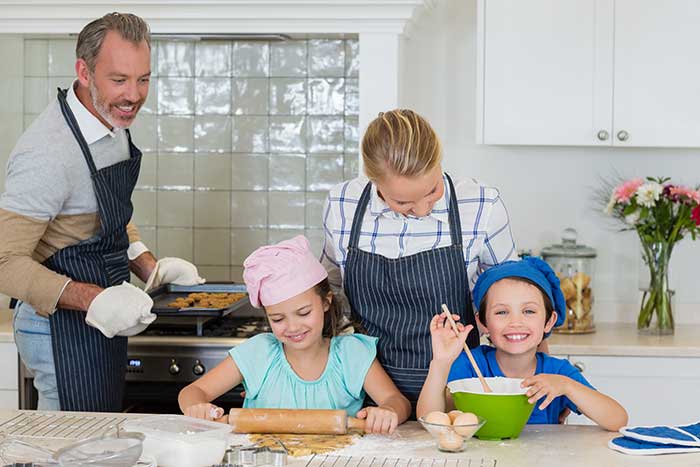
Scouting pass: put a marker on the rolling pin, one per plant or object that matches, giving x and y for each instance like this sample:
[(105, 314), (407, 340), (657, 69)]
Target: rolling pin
[(296, 421)]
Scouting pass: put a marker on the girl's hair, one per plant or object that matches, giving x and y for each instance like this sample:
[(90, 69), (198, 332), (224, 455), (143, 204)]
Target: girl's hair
[(399, 142), (333, 317), (547, 302)]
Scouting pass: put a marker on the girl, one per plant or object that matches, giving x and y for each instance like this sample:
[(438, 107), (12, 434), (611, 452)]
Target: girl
[(408, 238), (303, 363), (518, 303)]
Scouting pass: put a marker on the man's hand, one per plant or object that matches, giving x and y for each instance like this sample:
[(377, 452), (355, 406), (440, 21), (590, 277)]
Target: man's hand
[(78, 295), (122, 310), (143, 265)]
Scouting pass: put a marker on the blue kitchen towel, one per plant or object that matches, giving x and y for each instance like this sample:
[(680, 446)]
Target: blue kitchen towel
[(686, 435), (637, 447)]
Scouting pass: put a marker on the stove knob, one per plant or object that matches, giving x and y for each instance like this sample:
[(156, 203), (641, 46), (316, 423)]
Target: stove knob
[(198, 369), (174, 368)]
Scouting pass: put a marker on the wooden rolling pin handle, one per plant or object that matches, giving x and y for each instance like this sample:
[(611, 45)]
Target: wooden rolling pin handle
[(356, 424)]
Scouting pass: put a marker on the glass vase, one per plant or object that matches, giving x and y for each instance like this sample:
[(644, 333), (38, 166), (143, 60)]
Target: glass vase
[(656, 311)]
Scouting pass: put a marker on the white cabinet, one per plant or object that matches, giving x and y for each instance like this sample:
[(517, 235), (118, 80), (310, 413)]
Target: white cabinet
[(8, 376), (653, 390), (588, 72)]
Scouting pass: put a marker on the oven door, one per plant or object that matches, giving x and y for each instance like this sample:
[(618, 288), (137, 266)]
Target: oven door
[(155, 374)]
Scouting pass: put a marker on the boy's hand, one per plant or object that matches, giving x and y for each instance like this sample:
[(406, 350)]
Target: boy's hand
[(381, 420), (551, 386), (447, 346), (204, 410)]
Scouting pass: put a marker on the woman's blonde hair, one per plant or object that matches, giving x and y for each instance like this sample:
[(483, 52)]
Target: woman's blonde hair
[(400, 142)]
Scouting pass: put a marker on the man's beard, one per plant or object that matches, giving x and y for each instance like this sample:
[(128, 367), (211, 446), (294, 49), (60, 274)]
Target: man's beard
[(102, 107)]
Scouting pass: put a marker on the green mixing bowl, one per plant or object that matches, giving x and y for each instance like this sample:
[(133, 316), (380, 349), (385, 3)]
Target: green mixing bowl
[(506, 409)]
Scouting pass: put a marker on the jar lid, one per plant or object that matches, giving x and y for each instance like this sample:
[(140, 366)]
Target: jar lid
[(569, 247)]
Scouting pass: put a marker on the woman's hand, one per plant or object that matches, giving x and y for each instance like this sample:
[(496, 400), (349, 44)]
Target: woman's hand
[(543, 385), (381, 420), (446, 345), (204, 410)]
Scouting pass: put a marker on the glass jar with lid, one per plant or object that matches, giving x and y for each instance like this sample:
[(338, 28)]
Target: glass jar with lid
[(574, 265)]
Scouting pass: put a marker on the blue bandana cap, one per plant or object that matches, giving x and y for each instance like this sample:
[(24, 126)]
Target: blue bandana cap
[(530, 267)]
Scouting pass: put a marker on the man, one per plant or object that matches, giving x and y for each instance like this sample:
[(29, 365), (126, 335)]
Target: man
[(66, 244)]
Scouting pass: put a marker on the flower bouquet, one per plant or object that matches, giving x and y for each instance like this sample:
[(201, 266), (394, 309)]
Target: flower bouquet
[(662, 214)]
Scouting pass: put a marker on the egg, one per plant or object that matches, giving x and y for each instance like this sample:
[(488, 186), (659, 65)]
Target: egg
[(450, 441), (438, 418), (453, 414), (465, 419)]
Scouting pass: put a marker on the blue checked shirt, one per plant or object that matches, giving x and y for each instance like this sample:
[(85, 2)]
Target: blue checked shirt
[(486, 233)]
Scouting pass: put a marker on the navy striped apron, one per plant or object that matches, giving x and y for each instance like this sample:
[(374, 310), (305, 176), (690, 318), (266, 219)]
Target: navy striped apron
[(395, 299), (90, 368)]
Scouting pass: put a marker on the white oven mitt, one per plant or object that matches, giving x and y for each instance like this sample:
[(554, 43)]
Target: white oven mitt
[(173, 271), (121, 310)]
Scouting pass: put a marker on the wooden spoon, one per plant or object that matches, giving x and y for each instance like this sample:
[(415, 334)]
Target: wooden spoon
[(484, 384)]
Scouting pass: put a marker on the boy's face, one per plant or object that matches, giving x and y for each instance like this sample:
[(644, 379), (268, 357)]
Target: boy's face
[(516, 316), (298, 321)]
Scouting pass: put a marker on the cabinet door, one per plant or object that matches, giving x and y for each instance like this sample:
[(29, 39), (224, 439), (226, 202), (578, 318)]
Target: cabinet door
[(9, 400), (654, 390), (544, 72), (657, 71), (8, 366)]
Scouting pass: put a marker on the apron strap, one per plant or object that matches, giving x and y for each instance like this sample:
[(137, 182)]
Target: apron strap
[(73, 125), (359, 215), (453, 214)]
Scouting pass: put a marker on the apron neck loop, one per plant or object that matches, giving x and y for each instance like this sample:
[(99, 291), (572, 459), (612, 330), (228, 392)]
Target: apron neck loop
[(75, 129)]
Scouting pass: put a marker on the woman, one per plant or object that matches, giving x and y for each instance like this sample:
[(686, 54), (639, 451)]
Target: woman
[(409, 240)]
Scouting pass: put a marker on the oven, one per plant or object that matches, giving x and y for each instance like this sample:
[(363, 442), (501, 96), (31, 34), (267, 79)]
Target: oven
[(171, 353)]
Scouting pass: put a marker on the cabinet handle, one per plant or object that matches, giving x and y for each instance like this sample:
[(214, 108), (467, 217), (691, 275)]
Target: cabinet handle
[(603, 135), (622, 135), (579, 366)]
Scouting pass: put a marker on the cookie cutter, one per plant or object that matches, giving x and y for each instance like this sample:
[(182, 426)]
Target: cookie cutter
[(253, 455)]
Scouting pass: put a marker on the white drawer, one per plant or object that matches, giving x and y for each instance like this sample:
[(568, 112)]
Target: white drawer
[(8, 366), (9, 400)]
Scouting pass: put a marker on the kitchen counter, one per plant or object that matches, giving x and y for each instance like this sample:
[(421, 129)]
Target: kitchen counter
[(538, 446), (610, 339)]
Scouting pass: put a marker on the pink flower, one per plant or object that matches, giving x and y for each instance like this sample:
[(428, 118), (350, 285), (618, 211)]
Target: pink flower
[(682, 193), (695, 214), (626, 191)]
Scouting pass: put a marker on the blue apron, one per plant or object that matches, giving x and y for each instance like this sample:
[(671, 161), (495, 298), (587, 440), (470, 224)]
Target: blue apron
[(90, 368), (395, 299)]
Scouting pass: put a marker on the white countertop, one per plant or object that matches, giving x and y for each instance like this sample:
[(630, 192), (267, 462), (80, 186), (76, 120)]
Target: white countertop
[(611, 339), (538, 446)]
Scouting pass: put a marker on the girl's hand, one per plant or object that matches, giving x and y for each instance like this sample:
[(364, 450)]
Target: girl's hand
[(381, 420), (447, 346), (551, 386), (204, 410)]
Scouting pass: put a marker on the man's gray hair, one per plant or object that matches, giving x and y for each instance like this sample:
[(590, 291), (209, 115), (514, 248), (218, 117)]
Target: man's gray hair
[(130, 27)]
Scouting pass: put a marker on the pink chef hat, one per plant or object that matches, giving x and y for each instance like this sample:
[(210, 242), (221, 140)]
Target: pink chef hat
[(275, 273)]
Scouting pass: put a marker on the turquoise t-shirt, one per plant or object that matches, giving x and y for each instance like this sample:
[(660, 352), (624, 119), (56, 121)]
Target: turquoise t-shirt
[(270, 382)]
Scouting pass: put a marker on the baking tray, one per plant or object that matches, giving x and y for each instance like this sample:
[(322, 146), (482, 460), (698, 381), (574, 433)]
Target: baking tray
[(169, 292)]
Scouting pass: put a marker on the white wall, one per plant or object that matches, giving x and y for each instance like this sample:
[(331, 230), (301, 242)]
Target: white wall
[(546, 189)]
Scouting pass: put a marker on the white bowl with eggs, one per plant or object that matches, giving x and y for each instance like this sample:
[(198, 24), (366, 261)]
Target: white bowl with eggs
[(451, 430)]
